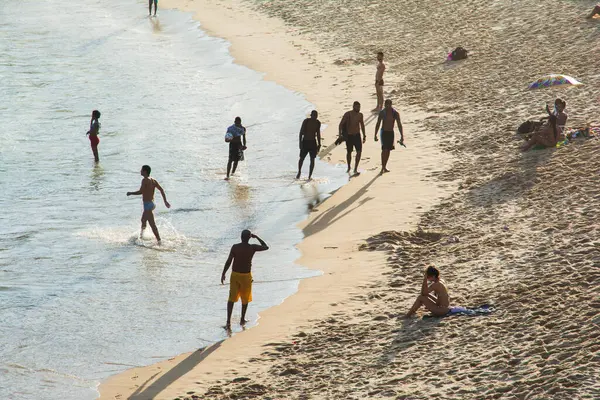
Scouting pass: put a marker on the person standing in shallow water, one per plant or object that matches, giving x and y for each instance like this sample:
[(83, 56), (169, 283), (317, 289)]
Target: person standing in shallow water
[(388, 116), (240, 283), (93, 133), (236, 136), (310, 142), (150, 7), (147, 191)]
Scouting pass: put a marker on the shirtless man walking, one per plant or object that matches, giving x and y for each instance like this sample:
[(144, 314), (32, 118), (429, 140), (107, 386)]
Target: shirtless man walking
[(379, 81), (350, 126), (310, 142), (240, 283), (389, 116), (147, 191), (434, 297)]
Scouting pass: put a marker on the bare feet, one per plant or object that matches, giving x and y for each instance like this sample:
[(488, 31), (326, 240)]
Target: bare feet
[(227, 178), (243, 322), (298, 176)]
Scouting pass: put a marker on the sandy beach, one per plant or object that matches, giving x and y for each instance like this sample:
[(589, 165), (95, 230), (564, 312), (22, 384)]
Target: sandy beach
[(517, 231)]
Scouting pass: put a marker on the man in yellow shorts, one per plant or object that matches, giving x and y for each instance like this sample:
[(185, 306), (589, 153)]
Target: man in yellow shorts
[(240, 284)]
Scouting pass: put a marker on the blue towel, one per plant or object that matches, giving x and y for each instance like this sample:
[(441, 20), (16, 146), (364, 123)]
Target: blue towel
[(468, 311)]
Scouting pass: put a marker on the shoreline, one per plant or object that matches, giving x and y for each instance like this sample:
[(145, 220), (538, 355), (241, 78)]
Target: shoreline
[(334, 231)]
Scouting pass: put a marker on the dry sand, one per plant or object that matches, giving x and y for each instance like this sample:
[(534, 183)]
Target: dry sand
[(520, 233)]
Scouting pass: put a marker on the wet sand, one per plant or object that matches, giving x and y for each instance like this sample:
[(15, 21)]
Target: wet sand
[(520, 231)]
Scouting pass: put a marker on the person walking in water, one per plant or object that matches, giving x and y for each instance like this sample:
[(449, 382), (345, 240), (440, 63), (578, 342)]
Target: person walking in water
[(236, 136), (93, 133), (350, 126), (149, 185), (150, 7), (389, 116), (310, 142), (240, 283), (379, 81)]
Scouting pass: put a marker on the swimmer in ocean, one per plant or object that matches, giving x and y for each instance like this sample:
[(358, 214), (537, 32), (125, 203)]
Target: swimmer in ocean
[(147, 191)]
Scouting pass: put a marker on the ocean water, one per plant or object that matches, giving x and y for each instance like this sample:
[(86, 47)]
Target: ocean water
[(81, 298)]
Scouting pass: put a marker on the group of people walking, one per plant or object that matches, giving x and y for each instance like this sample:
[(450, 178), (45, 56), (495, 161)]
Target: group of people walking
[(240, 256)]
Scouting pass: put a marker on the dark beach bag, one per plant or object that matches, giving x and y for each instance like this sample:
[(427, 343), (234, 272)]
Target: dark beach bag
[(459, 53)]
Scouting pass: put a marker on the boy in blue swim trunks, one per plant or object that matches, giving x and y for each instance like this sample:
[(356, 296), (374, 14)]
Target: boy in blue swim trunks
[(147, 191)]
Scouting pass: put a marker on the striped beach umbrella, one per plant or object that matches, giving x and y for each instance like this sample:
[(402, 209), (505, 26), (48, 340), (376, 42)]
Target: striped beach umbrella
[(554, 80)]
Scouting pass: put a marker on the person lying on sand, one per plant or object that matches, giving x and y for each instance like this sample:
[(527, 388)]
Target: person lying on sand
[(240, 283), (595, 11), (550, 134), (434, 297)]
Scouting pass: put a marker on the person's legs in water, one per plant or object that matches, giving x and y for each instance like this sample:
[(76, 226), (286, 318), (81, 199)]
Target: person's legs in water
[(144, 220), (300, 162), (385, 156), (429, 304), (150, 7), (153, 225), (155, 6), (235, 163), (312, 166), (229, 311), (95, 151), (243, 317)]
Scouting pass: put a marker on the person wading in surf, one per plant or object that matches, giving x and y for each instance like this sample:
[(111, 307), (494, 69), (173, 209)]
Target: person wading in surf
[(150, 7), (310, 142), (240, 283), (147, 191), (93, 134)]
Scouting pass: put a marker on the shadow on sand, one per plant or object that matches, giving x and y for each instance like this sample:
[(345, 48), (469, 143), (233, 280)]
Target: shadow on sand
[(145, 392), (333, 214)]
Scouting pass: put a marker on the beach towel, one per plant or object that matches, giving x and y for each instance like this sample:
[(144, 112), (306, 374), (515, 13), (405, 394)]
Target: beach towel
[(484, 309)]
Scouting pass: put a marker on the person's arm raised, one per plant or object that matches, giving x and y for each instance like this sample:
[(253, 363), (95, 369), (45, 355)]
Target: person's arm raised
[(263, 245), (227, 265)]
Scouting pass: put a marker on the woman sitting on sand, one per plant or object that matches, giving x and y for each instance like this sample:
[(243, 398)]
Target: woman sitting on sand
[(434, 297), (595, 11), (550, 133)]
